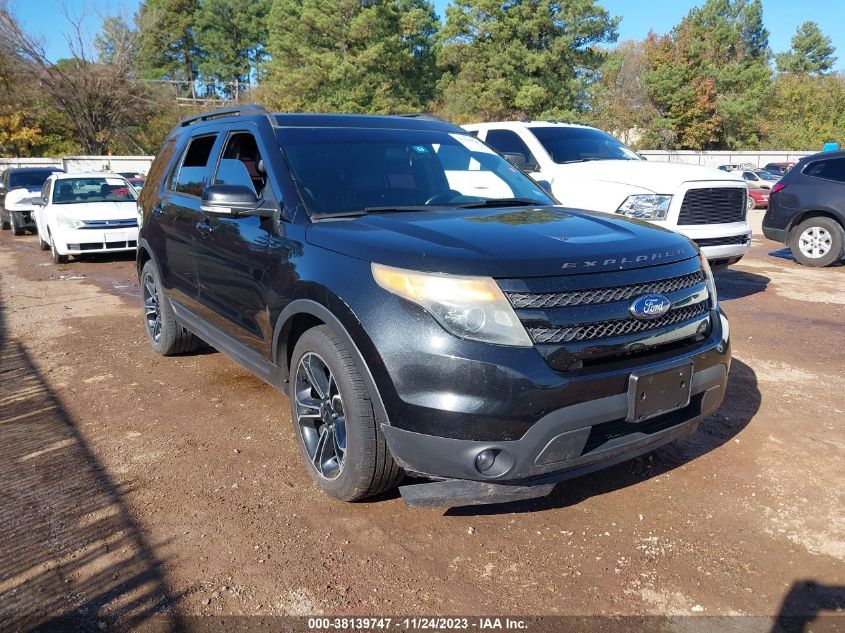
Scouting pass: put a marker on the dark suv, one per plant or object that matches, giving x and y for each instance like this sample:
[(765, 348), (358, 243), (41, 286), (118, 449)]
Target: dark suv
[(426, 306), (807, 209), (18, 187)]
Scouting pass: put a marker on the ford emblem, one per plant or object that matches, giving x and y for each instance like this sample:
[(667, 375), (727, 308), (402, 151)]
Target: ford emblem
[(650, 306)]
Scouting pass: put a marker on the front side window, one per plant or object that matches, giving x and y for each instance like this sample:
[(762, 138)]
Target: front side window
[(361, 170), (190, 177), (830, 169), (508, 142), (87, 190), (241, 164), (579, 144)]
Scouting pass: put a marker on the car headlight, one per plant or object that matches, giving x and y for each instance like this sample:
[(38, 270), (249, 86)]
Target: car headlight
[(709, 280), (68, 223), (645, 206), (469, 307)]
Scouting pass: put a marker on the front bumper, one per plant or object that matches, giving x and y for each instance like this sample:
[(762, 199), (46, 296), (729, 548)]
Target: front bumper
[(85, 241), (719, 241), (564, 443)]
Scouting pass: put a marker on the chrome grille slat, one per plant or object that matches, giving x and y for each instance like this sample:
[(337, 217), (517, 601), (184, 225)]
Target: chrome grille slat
[(602, 295), (618, 327), (713, 205)]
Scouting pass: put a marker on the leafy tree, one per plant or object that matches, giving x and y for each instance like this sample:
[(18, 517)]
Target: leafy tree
[(534, 58), (620, 103), (350, 56), (168, 48), (115, 31), (709, 76), (812, 52), (232, 35), (804, 111)]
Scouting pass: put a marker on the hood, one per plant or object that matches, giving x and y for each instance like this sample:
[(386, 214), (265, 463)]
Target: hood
[(23, 196), (654, 176), (98, 210), (515, 242)]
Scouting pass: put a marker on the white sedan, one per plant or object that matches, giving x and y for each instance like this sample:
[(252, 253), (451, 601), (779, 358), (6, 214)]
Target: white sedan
[(79, 214)]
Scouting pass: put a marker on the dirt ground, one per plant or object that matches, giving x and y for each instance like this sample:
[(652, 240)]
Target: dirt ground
[(133, 485)]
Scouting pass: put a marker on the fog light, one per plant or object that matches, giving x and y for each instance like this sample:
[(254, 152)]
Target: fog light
[(484, 460)]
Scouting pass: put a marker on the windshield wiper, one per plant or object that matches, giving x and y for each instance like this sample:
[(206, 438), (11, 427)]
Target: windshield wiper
[(581, 160), (501, 202), (354, 213)]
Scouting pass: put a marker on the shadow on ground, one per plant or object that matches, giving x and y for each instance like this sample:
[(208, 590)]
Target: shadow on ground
[(736, 284), (72, 557), (742, 401)]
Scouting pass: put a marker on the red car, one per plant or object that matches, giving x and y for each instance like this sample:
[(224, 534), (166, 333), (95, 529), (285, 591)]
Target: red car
[(760, 197)]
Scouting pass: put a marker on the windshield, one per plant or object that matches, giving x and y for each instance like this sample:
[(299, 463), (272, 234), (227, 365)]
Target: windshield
[(28, 179), (343, 171), (82, 190), (767, 176), (577, 144)]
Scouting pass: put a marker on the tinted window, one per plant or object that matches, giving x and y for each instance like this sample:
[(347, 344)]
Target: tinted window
[(508, 142), (576, 144), (748, 175), (241, 164), (189, 179), (349, 170), (831, 169), (28, 179), (87, 190)]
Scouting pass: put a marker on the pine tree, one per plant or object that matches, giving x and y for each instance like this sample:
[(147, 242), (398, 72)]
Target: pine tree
[(812, 52)]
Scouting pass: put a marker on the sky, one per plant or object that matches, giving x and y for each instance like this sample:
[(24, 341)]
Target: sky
[(781, 17)]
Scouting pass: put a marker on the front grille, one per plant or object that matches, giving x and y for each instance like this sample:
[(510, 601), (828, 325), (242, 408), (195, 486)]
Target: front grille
[(617, 327), (109, 224), (603, 295), (723, 241), (713, 205)]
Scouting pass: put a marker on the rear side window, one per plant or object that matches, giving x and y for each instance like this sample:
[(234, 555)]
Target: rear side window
[(830, 169), (189, 177)]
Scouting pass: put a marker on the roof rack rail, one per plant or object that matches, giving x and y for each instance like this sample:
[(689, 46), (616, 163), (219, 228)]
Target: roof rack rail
[(244, 110), (428, 116)]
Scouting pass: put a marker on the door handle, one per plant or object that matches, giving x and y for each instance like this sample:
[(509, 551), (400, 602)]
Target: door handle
[(204, 228), (157, 210)]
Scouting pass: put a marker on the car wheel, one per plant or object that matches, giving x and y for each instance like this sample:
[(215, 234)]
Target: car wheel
[(335, 424), (817, 241), (166, 336), (43, 244), (4, 224), (17, 230), (57, 258), (750, 203)]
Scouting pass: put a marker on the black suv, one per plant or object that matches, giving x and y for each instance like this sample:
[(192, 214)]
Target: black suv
[(18, 187), (807, 209), (426, 306)]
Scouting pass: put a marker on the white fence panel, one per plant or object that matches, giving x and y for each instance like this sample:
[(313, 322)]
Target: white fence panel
[(5, 163), (114, 164), (716, 158)]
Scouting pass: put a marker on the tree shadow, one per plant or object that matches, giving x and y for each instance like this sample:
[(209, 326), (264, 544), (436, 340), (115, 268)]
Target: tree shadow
[(742, 401), (736, 284), (72, 555), (803, 608)]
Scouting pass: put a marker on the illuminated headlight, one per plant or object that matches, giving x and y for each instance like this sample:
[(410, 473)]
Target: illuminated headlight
[(646, 207), (709, 281), (68, 223), (468, 307)]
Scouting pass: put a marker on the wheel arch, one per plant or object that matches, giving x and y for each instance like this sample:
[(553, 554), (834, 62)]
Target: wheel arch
[(812, 213), (301, 315)]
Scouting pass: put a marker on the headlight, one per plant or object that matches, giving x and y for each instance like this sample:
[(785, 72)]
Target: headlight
[(468, 307), (68, 223), (709, 280), (645, 207)]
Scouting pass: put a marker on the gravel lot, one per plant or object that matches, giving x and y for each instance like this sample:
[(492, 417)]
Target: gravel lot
[(133, 485)]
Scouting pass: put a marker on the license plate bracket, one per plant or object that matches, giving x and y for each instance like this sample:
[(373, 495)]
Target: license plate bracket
[(655, 393)]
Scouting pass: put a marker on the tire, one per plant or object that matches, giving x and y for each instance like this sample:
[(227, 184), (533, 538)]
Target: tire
[(17, 230), (57, 258), (5, 224), (43, 244), (817, 241), (367, 467), (168, 338)]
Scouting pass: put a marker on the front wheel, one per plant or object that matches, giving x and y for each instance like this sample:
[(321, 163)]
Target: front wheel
[(817, 241), (335, 424), (58, 258), (17, 230)]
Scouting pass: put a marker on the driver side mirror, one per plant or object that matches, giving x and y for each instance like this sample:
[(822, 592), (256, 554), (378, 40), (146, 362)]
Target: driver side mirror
[(520, 161), (233, 200)]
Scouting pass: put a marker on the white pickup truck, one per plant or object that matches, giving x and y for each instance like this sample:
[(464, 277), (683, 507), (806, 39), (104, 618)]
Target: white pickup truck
[(590, 169)]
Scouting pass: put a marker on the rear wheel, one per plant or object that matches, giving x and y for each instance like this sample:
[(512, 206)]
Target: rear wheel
[(165, 335), (17, 230), (4, 224), (817, 241), (335, 424)]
